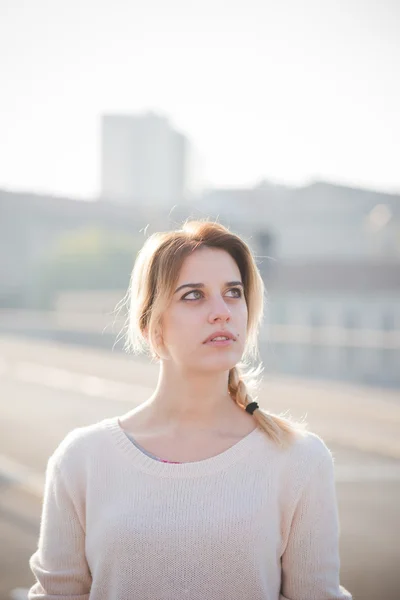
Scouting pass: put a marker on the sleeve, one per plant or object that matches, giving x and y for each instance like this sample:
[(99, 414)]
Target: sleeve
[(310, 563), (59, 563)]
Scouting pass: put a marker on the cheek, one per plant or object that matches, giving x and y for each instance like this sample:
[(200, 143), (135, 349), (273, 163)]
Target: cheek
[(241, 325), (240, 316), (180, 326)]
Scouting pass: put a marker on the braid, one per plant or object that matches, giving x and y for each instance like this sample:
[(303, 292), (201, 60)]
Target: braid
[(280, 429), (237, 388)]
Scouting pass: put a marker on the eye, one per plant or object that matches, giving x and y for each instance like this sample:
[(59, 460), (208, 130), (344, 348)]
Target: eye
[(238, 292), (186, 296)]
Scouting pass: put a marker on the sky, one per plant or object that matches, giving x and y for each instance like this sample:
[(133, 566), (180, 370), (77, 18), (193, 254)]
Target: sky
[(286, 91)]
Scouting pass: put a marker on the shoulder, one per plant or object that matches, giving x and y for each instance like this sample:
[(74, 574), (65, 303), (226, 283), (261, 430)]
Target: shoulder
[(305, 458), (309, 449), (78, 445)]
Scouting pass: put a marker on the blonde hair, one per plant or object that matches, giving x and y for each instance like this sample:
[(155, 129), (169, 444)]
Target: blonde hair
[(153, 280)]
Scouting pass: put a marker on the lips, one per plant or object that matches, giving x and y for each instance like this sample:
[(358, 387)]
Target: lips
[(226, 334)]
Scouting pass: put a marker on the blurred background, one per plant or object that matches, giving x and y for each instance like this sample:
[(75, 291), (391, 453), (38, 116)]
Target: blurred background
[(281, 121)]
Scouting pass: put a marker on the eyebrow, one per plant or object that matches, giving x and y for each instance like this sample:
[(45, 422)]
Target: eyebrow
[(201, 285)]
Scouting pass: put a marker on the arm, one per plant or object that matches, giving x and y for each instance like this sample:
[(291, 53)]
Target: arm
[(59, 563), (310, 564)]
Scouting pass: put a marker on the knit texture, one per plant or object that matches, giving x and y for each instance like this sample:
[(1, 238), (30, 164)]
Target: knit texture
[(254, 522)]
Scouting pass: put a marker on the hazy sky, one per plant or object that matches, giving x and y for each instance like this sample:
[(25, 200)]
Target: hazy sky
[(283, 90)]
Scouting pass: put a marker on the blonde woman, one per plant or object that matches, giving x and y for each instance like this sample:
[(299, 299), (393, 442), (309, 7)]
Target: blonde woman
[(198, 493)]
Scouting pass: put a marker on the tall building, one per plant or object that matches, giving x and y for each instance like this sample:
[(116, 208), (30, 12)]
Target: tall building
[(144, 160)]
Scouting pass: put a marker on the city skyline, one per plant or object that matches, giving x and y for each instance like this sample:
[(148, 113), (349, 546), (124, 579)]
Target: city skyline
[(144, 160), (285, 92)]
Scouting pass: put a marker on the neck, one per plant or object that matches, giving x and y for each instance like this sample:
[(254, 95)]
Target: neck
[(197, 400)]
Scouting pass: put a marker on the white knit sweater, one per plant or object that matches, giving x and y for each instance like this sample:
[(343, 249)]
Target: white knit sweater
[(254, 522)]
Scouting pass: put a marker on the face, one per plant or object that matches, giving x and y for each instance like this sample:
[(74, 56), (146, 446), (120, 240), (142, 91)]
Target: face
[(208, 299)]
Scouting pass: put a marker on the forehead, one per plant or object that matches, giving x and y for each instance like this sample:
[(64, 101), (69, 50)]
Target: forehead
[(206, 264)]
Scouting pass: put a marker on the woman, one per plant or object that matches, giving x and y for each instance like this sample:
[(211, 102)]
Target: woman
[(197, 493)]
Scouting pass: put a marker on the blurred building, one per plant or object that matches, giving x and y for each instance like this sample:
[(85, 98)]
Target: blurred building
[(144, 161), (329, 256), (317, 221), (31, 226), (342, 319)]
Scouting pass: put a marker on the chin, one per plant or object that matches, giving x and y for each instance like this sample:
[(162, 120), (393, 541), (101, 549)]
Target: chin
[(220, 363)]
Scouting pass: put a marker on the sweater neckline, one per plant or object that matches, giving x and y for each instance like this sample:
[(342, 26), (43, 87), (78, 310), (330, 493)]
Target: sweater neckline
[(207, 466)]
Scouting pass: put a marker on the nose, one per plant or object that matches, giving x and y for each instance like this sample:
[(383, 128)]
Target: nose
[(219, 312)]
